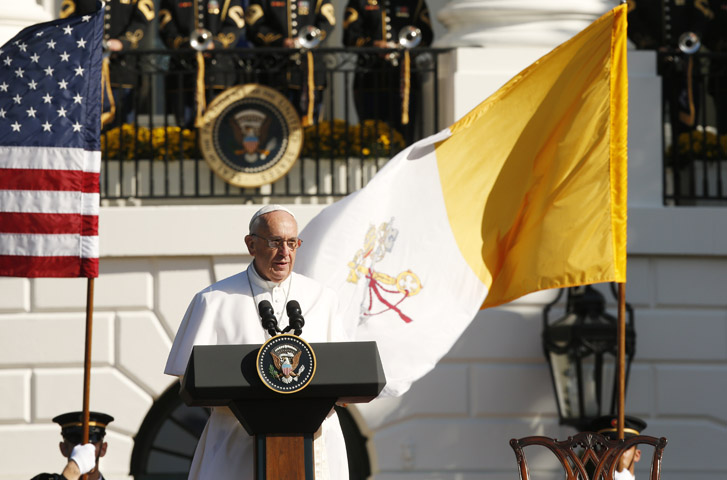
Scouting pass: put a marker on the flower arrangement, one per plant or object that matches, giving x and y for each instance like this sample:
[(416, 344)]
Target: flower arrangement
[(373, 138), (128, 142), (702, 144)]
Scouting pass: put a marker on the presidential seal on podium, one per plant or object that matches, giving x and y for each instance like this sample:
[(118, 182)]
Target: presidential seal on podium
[(250, 135), (286, 363)]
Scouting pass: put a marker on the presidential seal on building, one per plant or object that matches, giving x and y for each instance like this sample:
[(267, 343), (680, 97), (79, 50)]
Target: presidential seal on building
[(250, 135)]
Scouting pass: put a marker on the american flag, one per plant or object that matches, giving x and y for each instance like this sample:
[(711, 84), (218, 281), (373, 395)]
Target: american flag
[(50, 122)]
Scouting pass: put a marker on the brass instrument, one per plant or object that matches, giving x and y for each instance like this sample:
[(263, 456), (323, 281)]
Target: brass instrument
[(409, 37), (689, 43), (200, 39), (309, 37)]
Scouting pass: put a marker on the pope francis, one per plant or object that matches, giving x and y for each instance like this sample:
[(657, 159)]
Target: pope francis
[(226, 313)]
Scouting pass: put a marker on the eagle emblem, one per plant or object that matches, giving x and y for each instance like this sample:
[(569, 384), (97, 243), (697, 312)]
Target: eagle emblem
[(250, 128), (286, 366), (286, 363)]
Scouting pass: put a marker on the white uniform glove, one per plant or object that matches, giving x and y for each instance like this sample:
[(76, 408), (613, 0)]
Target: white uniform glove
[(624, 474), (84, 456)]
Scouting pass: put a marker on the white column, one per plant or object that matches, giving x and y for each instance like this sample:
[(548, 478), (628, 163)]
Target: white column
[(18, 15), (516, 23)]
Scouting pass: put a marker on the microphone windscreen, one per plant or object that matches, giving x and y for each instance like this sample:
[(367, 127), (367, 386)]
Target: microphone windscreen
[(265, 308), (293, 308)]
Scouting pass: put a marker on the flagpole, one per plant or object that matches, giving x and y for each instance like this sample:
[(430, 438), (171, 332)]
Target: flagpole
[(621, 374), (87, 359)]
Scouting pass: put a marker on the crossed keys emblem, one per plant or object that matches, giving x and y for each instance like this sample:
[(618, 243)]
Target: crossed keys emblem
[(383, 292)]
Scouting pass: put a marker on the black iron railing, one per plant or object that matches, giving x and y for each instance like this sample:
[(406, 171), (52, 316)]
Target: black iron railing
[(695, 128), (151, 151)]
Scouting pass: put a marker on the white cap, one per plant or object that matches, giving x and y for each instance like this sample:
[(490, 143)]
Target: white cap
[(268, 209)]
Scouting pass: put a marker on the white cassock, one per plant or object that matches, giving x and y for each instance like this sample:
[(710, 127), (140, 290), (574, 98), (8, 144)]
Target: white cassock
[(226, 313)]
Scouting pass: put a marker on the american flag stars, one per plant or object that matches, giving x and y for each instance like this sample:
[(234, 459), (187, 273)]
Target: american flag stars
[(43, 85), (50, 125)]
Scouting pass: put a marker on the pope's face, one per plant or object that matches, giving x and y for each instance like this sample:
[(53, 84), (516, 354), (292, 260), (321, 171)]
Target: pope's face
[(274, 264)]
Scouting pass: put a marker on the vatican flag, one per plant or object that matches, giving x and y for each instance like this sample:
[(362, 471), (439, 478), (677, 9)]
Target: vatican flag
[(526, 192)]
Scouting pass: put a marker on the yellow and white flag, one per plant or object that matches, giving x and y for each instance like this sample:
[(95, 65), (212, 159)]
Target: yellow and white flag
[(526, 192)]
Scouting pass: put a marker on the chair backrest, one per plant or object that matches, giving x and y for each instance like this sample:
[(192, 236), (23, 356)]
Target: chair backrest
[(588, 455)]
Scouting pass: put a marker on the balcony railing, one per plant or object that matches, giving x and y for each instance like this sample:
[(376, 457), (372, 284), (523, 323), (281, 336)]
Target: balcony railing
[(695, 128), (152, 151)]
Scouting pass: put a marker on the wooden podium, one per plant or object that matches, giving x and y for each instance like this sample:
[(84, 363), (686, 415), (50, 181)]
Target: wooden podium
[(282, 424)]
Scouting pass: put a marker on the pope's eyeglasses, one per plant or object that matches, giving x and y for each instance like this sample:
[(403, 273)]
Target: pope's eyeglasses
[(291, 243)]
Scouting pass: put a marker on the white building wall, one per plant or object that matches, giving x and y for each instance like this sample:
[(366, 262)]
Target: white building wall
[(456, 422)]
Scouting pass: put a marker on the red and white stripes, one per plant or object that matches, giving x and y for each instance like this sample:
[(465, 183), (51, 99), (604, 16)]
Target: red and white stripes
[(49, 205)]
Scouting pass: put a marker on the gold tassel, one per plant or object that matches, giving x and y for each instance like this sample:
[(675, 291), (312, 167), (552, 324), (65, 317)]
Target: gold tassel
[(201, 102), (107, 117), (308, 119), (405, 87), (688, 119)]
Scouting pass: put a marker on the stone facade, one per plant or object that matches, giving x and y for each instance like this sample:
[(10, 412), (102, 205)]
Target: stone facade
[(455, 423)]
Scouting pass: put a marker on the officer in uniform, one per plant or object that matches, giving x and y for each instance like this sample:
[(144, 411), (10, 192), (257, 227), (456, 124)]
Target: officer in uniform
[(715, 39), (608, 427), (125, 26), (281, 23), (682, 70), (83, 459), (645, 19), (207, 26), (377, 85)]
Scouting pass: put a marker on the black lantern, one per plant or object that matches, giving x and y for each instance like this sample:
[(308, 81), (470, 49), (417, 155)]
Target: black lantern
[(581, 349)]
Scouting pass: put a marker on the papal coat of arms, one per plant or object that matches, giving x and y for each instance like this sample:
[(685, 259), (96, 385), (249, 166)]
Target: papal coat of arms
[(384, 292)]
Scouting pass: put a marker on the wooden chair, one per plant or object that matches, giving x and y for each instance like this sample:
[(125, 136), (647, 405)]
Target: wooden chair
[(588, 455)]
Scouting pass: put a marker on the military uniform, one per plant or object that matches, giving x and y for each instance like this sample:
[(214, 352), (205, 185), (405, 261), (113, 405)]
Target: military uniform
[(377, 83), (715, 39), (178, 20), (127, 21), (269, 24), (645, 19), (54, 476), (72, 432), (681, 72), (608, 427)]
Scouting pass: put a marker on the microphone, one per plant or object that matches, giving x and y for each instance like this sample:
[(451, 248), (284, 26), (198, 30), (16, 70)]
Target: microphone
[(267, 317), (295, 317)]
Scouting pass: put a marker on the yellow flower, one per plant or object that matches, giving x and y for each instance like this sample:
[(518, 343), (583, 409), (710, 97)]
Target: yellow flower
[(141, 143), (339, 139), (701, 144), (327, 139)]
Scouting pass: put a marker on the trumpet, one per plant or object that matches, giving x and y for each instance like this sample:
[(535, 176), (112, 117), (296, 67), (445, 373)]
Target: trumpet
[(309, 37), (689, 43), (409, 37), (201, 39)]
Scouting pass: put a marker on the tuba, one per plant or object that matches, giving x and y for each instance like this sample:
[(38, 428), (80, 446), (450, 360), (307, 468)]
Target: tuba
[(201, 39)]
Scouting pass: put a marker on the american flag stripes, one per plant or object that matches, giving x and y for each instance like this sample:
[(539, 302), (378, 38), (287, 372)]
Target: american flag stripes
[(50, 109)]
